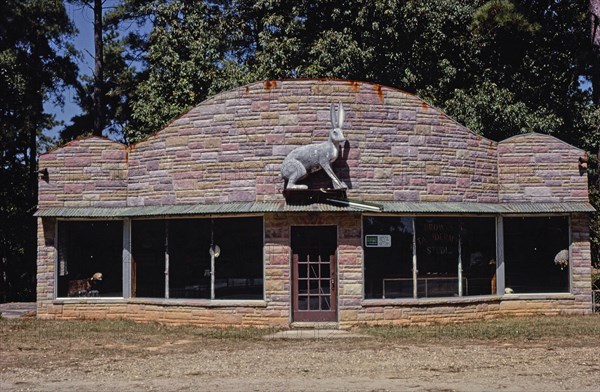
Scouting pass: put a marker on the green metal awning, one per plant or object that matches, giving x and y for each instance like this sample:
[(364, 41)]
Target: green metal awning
[(487, 208), (333, 206)]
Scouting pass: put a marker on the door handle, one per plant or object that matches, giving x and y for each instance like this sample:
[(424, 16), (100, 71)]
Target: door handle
[(332, 283)]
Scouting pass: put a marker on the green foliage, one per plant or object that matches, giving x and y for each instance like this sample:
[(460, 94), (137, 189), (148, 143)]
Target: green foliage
[(34, 65), (501, 67), (596, 279), (501, 15), (185, 55), (120, 79), (494, 112)]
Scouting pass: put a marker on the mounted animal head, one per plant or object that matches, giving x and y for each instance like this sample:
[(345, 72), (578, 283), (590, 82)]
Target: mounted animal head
[(336, 135), (97, 276)]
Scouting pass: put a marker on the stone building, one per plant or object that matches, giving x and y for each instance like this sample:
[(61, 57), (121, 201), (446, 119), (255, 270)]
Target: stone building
[(195, 225)]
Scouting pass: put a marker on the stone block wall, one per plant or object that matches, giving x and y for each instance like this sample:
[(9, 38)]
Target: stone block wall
[(275, 310), (90, 172), (540, 168), (230, 148)]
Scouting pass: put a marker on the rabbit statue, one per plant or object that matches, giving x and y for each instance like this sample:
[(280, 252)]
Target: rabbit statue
[(313, 157)]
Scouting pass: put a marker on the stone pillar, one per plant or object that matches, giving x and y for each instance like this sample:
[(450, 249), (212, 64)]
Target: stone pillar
[(46, 265), (581, 265)]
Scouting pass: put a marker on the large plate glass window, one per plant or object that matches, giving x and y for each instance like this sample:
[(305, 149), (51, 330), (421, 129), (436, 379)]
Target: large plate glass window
[(429, 257), (148, 258), (172, 258), (90, 259), (388, 243), (536, 254)]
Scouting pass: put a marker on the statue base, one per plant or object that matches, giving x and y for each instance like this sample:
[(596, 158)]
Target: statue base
[(310, 196)]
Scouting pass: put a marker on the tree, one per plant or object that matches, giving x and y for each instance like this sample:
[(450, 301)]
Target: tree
[(502, 67), (185, 58), (104, 96), (34, 65)]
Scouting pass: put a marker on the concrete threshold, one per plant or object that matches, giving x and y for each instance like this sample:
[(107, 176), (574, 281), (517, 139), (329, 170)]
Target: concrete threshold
[(315, 334)]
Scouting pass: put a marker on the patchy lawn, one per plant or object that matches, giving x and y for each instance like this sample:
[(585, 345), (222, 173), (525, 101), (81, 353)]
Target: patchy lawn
[(542, 353)]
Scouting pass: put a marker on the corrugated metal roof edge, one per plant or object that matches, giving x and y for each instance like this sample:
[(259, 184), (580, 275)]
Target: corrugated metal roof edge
[(262, 207)]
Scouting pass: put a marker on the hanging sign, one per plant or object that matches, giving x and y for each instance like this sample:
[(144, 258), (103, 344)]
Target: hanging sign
[(378, 240)]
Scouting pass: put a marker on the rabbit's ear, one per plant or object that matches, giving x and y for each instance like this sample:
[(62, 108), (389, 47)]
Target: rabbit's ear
[(340, 115), (334, 119)]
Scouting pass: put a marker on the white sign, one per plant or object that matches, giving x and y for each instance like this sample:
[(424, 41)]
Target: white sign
[(378, 241)]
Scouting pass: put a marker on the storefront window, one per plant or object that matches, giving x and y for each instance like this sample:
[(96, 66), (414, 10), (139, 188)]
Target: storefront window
[(453, 257), (478, 256), (238, 264), (388, 244), (536, 254), (189, 260), (437, 257), (90, 259), (148, 258)]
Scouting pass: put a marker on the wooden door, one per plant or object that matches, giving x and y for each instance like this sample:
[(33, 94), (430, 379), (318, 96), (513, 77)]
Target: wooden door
[(314, 278)]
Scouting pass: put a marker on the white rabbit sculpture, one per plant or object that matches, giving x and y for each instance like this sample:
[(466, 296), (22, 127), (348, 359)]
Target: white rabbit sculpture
[(313, 157)]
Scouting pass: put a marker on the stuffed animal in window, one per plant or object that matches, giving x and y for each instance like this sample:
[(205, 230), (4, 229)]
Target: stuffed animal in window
[(562, 259), (84, 287)]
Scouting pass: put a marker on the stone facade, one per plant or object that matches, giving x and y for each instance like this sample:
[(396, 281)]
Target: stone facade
[(539, 168), (85, 173), (230, 148)]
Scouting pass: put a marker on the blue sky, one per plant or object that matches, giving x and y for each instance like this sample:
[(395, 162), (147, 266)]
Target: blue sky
[(84, 41)]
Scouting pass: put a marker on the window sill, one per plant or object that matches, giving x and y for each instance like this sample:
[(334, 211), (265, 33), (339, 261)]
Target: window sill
[(429, 301), (248, 303), (465, 300), (538, 296), (217, 303), (89, 300)]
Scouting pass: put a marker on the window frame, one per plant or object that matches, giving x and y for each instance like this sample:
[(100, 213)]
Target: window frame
[(166, 296), (500, 262), (124, 274), (569, 292), (127, 265)]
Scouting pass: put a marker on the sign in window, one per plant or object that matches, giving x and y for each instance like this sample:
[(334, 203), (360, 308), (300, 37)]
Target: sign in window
[(378, 241)]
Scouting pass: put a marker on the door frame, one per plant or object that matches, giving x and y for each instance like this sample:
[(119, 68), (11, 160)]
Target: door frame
[(333, 314)]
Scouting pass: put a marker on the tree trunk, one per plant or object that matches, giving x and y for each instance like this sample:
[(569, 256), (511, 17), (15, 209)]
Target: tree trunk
[(98, 70)]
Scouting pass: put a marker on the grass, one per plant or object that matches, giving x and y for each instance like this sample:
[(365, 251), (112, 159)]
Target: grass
[(62, 329), (517, 329), (31, 333), (112, 336)]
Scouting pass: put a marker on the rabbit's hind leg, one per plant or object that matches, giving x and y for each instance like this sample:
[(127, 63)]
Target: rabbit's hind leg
[(293, 170)]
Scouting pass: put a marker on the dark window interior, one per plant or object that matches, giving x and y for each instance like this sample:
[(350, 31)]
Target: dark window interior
[(238, 268), (478, 254), (389, 269), (390, 266), (189, 261), (531, 245), (85, 249), (148, 251), (437, 257)]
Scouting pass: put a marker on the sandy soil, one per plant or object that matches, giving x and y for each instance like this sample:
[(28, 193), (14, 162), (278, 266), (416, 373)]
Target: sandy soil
[(305, 365)]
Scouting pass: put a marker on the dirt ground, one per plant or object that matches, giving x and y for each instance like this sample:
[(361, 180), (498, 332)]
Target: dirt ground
[(184, 363)]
